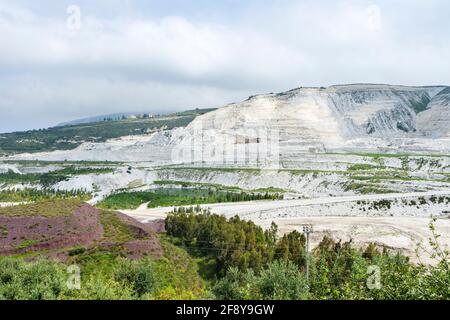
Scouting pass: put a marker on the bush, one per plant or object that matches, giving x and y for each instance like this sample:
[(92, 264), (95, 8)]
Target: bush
[(100, 288), (138, 275), (77, 251), (40, 280), (282, 280)]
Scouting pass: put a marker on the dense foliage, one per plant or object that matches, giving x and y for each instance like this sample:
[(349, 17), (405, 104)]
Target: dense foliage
[(33, 195), (248, 263), (164, 197), (234, 242), (140, 275), (248, 256), (51, 178), (104, 276), (31, 281), (281, 280)]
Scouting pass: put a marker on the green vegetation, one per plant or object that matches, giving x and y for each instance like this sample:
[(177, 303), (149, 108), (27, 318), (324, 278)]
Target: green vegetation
[(363, 166), (41, 280), (25, 244), (77, 171), (49, 178), (165, 197), (219, 187), (70, 136), (271, 190), (3, 231), (233, 243), (187, 184), (380, 205), (115, 230), (139, 275), (420, 105), (213, 169), (247, 263), (33, 195), (125, 200), (48, 208), (125, 279), (282, 280), (362, 188), (178, 275), (338, 270), (44, 163)]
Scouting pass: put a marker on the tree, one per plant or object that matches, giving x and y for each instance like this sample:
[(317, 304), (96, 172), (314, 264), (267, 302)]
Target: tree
[(281, 280), (137, 274)]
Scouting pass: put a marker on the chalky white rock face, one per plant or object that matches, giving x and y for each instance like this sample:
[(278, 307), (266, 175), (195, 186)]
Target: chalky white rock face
[(335, 118), (286, 126), (435, 121)]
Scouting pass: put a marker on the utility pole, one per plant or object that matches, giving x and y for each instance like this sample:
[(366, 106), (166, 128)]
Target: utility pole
[(307, 229)]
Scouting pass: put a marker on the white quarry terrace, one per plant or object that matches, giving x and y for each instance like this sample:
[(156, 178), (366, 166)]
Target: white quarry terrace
[(352, 118), (335, 153)]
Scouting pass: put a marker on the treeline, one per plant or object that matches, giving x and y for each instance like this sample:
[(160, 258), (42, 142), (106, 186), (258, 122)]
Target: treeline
[(234, 242), (33, 195), (164, 197), (51, 178), (255, 264)]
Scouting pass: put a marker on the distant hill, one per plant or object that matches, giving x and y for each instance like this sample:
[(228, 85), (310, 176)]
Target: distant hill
[(110, 117), (70, 136), (128, 115)]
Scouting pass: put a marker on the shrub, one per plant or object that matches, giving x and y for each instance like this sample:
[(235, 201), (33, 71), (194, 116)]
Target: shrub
[(42, 280), (282, 280), (100, 288), (137, 274)]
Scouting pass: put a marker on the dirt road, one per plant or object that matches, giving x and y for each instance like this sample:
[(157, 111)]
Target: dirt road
[(251, 207), (400, 233)]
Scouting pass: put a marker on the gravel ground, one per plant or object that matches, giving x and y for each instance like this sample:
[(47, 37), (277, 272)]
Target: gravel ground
[(402, 233)]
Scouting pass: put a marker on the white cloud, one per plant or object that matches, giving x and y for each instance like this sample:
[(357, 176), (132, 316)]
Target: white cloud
[(129, 62)]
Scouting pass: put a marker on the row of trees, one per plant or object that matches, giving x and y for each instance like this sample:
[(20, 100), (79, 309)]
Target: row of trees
[(339, 271), (234, 242), (32, 195), (179, 197), (255, 264)]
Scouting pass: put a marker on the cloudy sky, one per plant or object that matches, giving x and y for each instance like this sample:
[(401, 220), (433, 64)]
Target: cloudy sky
[(61, 60)]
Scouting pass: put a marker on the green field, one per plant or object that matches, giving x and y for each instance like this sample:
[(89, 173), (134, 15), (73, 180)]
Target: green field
[(165, 197)]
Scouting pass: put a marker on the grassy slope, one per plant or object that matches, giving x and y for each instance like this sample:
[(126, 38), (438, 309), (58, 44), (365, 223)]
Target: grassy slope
[(71, 136), (48, 209)]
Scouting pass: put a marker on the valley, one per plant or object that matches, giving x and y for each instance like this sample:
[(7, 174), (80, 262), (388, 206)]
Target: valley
[(368, 166)]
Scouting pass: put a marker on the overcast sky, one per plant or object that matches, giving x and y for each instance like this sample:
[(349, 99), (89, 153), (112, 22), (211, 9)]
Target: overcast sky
[(163, 56)]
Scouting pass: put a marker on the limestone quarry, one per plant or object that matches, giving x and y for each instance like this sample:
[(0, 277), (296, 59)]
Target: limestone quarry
[(342, 156)]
